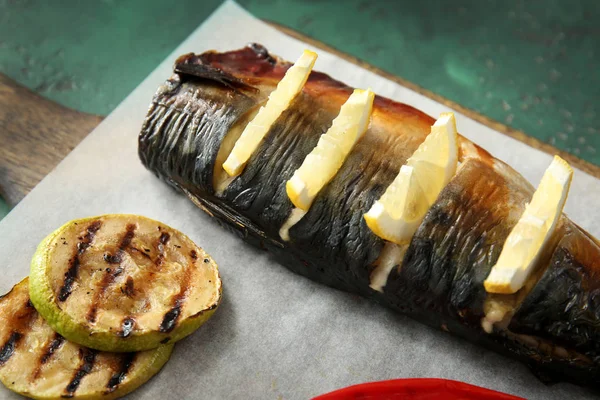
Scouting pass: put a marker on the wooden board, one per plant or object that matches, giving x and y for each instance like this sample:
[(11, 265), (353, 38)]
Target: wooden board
[(36, 134)]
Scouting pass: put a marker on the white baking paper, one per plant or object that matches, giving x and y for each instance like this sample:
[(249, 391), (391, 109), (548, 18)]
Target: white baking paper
[(276, 335)]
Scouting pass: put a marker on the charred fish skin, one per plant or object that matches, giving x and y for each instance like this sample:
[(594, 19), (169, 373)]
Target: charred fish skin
[(440, 281), (292, 136), (455, 247), (538, 357), (334, 232), (564, 306), (248, 231), (197, 113), (321, 237)]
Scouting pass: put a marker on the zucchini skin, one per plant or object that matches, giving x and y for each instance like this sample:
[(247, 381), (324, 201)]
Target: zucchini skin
[(441, 280)]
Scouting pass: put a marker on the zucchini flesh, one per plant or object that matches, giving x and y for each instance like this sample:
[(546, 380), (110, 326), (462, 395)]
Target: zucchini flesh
[(39, 363), (123, 283)]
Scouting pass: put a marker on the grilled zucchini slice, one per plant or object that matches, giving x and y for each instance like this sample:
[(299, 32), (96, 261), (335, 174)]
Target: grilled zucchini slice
[(39, 363), (123, 283)]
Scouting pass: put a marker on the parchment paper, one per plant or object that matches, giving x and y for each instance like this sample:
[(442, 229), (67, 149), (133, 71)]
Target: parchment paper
[(276, 335)]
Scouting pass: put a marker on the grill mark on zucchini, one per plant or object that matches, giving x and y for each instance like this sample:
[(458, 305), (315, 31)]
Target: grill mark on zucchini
[(164, 238), (73, 271), (115, 380), (88, 358), (8, 349), (125, 242), (169, 321), (142, 253), (128, 289), (162, 242), (20, 323), (49, 351), (111, 275)]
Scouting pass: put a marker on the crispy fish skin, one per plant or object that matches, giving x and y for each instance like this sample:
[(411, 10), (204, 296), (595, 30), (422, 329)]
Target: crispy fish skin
[(446, 263), (440, 281), (333, 232), (564, 306)]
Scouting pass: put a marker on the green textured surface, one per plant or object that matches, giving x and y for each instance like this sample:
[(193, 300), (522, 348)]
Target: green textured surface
[(531, 65)]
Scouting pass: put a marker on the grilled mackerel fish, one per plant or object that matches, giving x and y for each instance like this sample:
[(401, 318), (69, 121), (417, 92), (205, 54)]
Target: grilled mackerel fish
[(552, 323), (123, 283), (41, 364)]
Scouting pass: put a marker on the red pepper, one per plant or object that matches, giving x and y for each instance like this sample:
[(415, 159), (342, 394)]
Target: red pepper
[(416, 389)]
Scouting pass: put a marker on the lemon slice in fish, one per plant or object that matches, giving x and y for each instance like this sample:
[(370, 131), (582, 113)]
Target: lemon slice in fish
[(398, 213), (528, 238), (279, 100), (323, 162)]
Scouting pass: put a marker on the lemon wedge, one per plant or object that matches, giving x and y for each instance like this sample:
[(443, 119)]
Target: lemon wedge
[(279, 100), (527, 239), (398, 213), (323, 162)]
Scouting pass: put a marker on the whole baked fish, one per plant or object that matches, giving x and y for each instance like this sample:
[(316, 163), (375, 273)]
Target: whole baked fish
[(552, 324)]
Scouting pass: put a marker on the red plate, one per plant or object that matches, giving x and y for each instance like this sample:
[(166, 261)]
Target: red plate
[(416, 389)]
